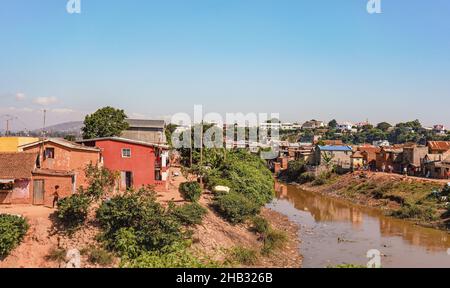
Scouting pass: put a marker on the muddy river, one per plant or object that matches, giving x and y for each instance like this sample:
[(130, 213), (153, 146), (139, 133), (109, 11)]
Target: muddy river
[(336, 232)]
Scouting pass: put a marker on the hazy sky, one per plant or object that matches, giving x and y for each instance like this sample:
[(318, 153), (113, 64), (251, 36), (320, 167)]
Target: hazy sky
[(302, 58)]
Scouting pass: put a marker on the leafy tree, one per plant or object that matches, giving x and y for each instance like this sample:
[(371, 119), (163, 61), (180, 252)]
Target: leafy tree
[(71, 138), (333, 124), (100, 180), (327, 158), (105, 122), (384, 126)]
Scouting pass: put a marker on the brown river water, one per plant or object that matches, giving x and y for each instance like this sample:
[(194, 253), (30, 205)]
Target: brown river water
[(334, 231)]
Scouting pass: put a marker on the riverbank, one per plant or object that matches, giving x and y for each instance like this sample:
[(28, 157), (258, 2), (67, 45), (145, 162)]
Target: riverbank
[(336, 231), (214, 239), (407, 198)]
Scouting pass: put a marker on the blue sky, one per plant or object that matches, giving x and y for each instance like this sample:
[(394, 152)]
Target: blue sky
[(301, 58)]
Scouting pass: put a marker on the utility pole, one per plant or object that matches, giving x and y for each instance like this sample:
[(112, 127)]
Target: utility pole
[(43, 127), (9, 118), (201, 154)]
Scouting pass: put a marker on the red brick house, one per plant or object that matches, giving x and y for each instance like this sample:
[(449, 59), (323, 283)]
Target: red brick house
[(139, 163), (58, 157), (21, 182)]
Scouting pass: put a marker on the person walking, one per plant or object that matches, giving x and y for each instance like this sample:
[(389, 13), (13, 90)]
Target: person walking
[(56, 196)]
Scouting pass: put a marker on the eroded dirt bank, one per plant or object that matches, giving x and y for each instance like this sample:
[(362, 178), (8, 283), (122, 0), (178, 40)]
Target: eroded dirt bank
[(408, 198)]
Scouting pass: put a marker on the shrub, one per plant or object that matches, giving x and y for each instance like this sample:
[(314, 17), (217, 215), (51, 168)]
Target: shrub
[(319, 182), (100, 179), (73, 210), (139, 222), (191, 191), (126, 242), (178, 258), (235, 207), (243, 256), (260, 225), (293, 172), (57, 255), (99, 256), (190, 214), (243, 173), (12, 232), (306, 177), (413, 211), (273, 240), (446, 191)]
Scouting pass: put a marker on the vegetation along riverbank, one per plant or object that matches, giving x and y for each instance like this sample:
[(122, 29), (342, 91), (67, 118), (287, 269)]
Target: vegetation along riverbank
[(423, 201)]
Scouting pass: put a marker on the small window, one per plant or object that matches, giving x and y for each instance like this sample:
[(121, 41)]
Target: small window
[(49, 153), (126, 153)]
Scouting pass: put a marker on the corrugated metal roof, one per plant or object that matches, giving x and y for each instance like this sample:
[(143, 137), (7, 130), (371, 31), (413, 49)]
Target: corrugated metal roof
[(439, 145), (138, 123), (335, 148), (124, 140)]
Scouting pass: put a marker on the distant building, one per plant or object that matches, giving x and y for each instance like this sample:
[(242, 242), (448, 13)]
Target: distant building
[(339, 156), (381, 143), (389, 159), (369, 153), (267, 126), (150, 131), (412, 159), (313, 124), (11, 144), (440, 129), (345, 127), (437, 166), (289, 126), (357, 160)]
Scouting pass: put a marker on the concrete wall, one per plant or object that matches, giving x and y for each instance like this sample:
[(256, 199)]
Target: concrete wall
[(11, 144), (144, 136)]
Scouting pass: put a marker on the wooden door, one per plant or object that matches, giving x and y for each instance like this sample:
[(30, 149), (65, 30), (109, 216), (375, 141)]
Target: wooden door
[(38, 192)]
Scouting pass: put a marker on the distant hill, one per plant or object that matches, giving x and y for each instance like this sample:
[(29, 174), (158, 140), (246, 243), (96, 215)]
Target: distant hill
[(63, 129)]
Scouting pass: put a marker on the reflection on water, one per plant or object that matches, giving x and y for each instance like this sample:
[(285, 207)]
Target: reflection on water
[(335, 232)]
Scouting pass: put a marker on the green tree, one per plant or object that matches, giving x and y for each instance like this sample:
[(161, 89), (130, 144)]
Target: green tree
[(105, 122), (333, 124), (383, 126)]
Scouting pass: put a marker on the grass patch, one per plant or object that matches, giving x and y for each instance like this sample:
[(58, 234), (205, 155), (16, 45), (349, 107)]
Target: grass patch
[(98, 256), (272, 241), (243, 256), (260, 225), (56, 255)]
